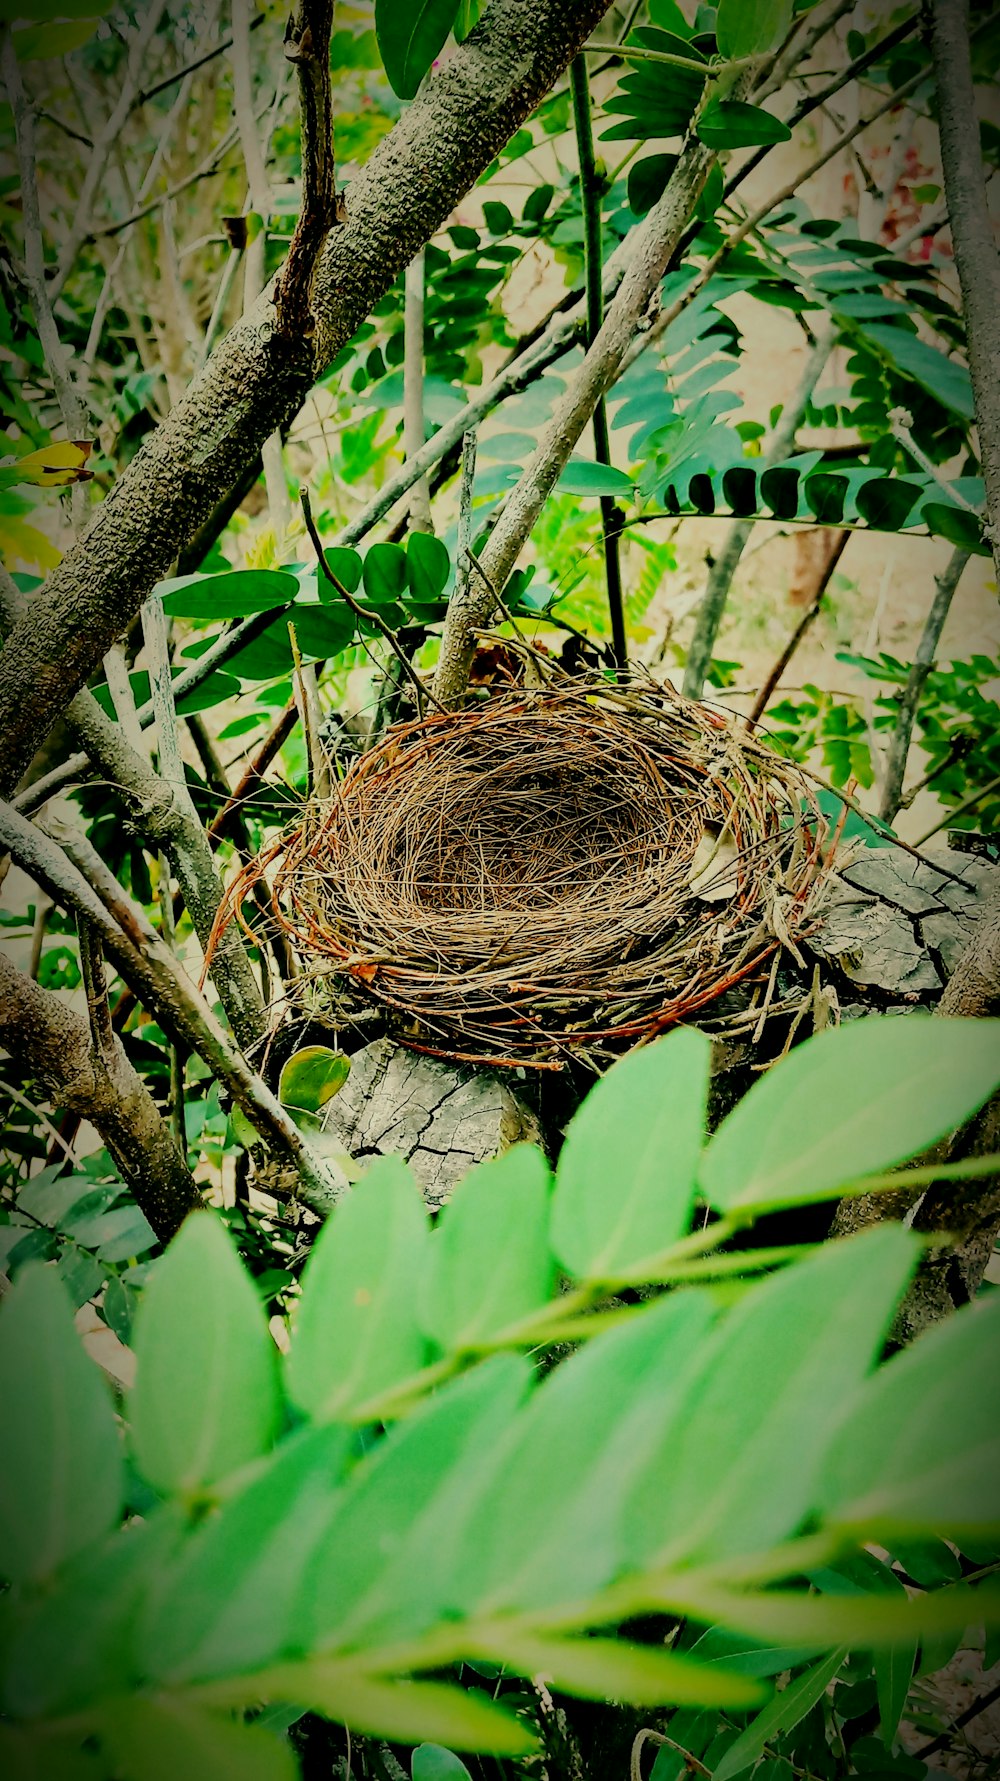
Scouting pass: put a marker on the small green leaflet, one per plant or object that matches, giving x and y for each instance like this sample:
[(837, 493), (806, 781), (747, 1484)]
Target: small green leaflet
[(944, 378), (490, 1263), (780, 1715), (311, 1077), (410, 36), (234, 595), (205, 1401), (732, 124), (61, 1480), (751, 27), (427, 566), (583, 477), (431, 1762)]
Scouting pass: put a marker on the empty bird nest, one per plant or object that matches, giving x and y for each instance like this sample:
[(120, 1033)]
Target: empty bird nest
[(558, 871)]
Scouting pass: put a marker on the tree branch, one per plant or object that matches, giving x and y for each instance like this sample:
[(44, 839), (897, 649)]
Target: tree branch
[(76, 877), (257, 379), (945, 586), (413, 388), (972, 236), (45, 1033), (307, 44)]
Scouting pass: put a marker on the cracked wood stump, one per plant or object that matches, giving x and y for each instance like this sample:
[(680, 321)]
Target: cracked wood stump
[(440, 1118)]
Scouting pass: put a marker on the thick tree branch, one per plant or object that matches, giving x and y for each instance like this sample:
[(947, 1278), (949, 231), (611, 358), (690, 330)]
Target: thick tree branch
[(43, 1032), (72, 873), (257, 379), (972, 236)]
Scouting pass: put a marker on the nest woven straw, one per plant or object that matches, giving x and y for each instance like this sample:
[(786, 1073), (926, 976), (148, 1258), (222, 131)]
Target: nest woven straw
[(556, 871)]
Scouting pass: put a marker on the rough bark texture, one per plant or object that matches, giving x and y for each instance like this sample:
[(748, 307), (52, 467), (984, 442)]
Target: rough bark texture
[(972, 236), (40, 1029), (441, 1119), (255, 382)]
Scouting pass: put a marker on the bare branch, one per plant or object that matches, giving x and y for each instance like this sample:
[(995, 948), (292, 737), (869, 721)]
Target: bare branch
[(307, 44), (255, 382), (945, 586), (413, 388), (972, 235), (42, 1030)]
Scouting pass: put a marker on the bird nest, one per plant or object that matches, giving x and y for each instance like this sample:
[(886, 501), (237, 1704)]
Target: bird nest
[(557, 871)]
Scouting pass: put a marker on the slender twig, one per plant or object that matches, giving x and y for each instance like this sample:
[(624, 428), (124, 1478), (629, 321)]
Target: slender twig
[(103, 144), (208, 167), (945, 586), (189, 68), (808, 618), (176, 1089), (973, 1712), (364, 614), (255, 769), (43, 909), (591, 191)]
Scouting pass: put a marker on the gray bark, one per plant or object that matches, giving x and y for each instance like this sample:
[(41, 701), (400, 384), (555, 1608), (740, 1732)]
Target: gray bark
[(39, 1029), (899, 746), (258, 378)]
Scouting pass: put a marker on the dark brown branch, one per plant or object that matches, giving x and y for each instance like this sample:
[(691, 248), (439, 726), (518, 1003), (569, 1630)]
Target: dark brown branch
[(40, 1029), (307, 44), (808, 618), (173, 80), (976, 257)]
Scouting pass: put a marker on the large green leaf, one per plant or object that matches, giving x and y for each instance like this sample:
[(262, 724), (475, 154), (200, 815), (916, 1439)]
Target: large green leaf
[(72, 1643), (61, 1479), (851, 1102), (626, 1176), (231, 1599), (410, 34), (780, 1715), (490, 1263), (387, 1569), (599, 1669), (751, 27), (407, 1711), (358, 1331), (234, 595), (205, 1401), (552, 1525), (920, 1452), (431, 1762), (733, 124), (742, 1467), (158, 1739)]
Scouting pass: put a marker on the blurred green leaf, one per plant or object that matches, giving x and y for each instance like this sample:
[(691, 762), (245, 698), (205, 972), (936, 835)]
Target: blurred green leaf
[(490, 1264)]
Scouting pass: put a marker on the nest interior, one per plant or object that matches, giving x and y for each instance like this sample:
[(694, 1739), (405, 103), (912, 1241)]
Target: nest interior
[(552, 872)]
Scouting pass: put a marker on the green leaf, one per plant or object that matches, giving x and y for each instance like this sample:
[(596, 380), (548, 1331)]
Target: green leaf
[(358, 1333), (390, 1567), (551, 1526), (944, 378), (116, 1235), (231, 1598), (72, 1644), (347, 567), (311, 1077), (626, 1177), (647, 181), (38, 43), (490, 1259), (745, 1467), (779, 1716), (205, 1401), (159, 1739), (848, 1103), (385, 573), (431, 1762), (751, 27), (50, 1201), (405, 1711), (61, 1480), (428, 566), (894, 1667), (611, 1669), (861, 1620), (583, 477), (410, 36), (234, 595), (733, 124), (920, 1452)]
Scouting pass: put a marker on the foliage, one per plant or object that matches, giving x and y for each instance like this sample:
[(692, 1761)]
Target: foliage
[(411, 1494)]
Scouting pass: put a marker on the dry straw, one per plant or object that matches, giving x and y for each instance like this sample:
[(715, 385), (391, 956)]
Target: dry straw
[(562, 870)]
